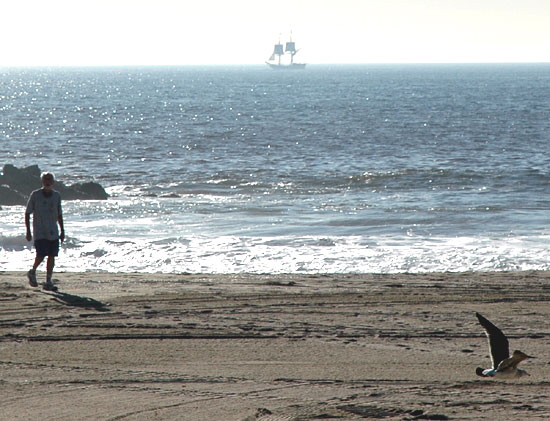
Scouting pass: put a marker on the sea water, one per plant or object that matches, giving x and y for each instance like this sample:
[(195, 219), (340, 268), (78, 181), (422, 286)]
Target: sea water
[(331, 169)]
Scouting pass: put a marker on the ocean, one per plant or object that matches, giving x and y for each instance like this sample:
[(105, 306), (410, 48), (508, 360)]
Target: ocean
[(342, 169)]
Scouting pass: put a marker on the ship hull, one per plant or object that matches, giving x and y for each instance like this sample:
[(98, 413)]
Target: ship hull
[(293, 66)]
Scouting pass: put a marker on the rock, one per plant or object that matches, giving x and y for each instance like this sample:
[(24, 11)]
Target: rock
[(23, 181), (10, 197), (81, 191), (16, 184), (94, 190)]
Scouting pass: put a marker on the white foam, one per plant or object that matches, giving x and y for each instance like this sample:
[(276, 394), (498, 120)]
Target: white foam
[(230, 254)]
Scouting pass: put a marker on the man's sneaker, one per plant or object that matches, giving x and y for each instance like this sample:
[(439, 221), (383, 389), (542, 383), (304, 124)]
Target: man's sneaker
[(49, 286), (31, 275)]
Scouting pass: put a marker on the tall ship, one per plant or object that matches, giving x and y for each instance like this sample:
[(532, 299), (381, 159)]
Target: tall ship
[(283, 58)]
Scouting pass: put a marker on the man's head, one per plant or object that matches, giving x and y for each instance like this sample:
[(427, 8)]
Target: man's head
[(48, 180)]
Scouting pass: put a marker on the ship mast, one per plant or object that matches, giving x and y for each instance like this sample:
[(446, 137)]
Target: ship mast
[(277, 51), (291, 48)]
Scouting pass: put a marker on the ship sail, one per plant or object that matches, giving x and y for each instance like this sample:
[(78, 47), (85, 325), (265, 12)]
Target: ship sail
[(277, 51)]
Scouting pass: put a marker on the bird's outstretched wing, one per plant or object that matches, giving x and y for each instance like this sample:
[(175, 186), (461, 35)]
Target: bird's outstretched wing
[(498, 343)]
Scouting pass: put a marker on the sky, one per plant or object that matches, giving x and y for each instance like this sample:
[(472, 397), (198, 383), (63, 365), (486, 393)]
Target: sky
[(199, 32)]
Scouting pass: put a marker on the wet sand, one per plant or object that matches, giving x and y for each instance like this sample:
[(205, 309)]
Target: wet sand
[(114, 346)]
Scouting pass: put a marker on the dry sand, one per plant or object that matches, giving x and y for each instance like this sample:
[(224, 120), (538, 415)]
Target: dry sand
[(115, 346)]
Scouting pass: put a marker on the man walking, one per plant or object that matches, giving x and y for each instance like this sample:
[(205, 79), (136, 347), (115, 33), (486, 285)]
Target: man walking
[(45, 206)]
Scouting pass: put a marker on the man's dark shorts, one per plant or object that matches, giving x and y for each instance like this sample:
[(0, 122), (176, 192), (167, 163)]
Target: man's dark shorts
[(46, 248)]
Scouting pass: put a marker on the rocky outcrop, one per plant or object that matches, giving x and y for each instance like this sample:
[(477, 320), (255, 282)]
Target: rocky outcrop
[(16, 184), (10, 197)]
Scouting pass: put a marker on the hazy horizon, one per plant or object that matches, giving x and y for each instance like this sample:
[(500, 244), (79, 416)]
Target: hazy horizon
[(263, 65), (243, 32)]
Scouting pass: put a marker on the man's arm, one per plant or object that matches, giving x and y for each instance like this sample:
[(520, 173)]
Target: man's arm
[(28, 211), (61, 227), (28, 225)]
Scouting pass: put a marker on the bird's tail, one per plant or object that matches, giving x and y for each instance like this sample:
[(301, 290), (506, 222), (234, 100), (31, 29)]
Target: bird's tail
[(479, 372)]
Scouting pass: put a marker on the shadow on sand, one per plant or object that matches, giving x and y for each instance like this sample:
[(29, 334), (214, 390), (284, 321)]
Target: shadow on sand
[(78, 301)]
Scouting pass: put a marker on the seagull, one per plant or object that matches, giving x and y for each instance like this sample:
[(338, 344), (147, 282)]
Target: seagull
[(504, 366)]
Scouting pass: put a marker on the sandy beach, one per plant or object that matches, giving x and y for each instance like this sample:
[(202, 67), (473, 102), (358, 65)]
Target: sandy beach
[(115, 346)]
